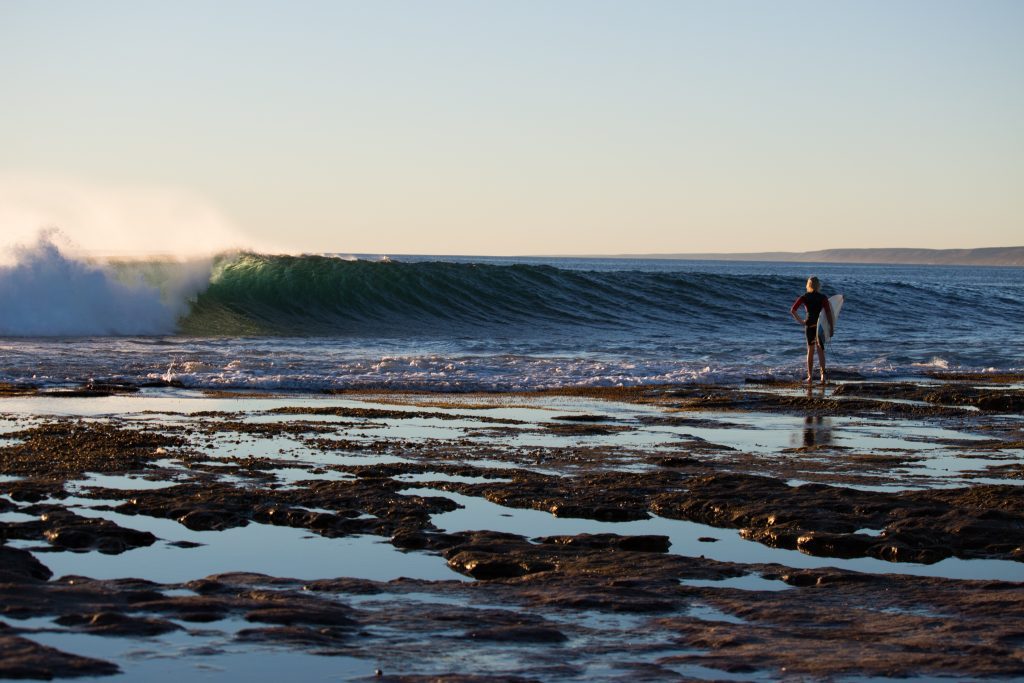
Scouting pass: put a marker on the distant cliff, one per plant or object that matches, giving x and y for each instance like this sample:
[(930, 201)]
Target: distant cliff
[(993, 256)]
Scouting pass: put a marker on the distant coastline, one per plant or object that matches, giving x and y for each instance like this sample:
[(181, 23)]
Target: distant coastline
[(992, 256)]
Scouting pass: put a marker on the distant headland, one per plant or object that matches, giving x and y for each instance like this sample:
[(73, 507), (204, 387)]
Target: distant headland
[(992, 256)]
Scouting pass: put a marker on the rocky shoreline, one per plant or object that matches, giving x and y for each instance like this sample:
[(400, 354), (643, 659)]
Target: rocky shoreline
[(865, 529)]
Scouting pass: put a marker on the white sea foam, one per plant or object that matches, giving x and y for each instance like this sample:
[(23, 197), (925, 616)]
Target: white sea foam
[(935, 363), (48, 292)]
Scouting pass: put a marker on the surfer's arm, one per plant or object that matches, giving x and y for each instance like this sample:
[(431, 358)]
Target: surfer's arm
[(793, 309), (828, 313)]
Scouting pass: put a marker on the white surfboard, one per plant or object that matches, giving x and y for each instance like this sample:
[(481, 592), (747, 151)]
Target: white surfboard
[(825, 330)]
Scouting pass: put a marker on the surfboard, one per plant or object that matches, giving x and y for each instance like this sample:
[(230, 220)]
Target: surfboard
[(825, 330)]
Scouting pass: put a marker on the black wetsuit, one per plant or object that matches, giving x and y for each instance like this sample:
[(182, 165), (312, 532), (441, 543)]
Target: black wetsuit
[(814, 302)]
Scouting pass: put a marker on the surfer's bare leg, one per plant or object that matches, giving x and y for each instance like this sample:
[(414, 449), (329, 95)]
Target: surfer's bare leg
[(821, 362), (810, 362)]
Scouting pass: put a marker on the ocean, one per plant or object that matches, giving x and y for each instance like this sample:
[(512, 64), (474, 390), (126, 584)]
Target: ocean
[(328, 322)]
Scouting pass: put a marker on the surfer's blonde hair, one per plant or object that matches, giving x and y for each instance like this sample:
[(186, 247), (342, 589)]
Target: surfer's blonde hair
[(813, 284)]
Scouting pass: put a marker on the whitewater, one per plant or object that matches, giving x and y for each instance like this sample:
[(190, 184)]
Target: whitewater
[(327, 322)]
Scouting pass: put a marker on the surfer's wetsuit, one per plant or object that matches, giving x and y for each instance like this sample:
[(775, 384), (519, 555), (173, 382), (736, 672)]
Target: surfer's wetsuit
[(814, 302)]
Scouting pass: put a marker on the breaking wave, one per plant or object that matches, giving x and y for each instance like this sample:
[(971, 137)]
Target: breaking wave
[(253, 320), (255, 294), (46, 292)]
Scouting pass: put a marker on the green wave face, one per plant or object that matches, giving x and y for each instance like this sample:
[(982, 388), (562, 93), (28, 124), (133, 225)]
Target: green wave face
[(254, 294)]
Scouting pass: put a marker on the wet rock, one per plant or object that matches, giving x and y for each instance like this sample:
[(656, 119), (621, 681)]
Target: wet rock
[(20, 565), (208, 586), (457, 678), (297, 427), (519, 634), (33, 489), (358, 586), (947, 394), (598, 512), (22, 658), (411, 540), (70, 532), (65, 448), (382, 471), (920, 526), (901, 552), (220, 505), (817, 405), (1005, 401), (776, 536), (211, 520), (288, 615), (66, 530), (854, 624), (800, 579), (486, 567), (584, 428), (295, 635), (194, 608), (835, 545), (826, 578), (320, 520), (648, 544), (94, 390), (604, 496), (10, 389), (116, 624), (384, 414), (582, 418), (678, 461), (905, 391)]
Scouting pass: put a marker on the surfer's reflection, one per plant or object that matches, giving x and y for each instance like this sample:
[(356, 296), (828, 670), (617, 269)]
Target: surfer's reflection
[(817, 431)]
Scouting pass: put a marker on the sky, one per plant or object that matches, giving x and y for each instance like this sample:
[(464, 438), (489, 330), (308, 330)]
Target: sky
[(513, 127)]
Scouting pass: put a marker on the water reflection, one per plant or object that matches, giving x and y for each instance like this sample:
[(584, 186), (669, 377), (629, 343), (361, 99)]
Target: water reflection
[(817, 431)]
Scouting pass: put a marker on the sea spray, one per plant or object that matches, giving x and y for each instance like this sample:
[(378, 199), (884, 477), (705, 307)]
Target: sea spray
[(114, 219), (46, 292)]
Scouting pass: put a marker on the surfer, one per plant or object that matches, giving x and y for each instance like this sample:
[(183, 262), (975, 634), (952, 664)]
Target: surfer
[(814, 301)]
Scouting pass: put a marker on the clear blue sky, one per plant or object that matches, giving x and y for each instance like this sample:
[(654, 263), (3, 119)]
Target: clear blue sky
[(520, 127)]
